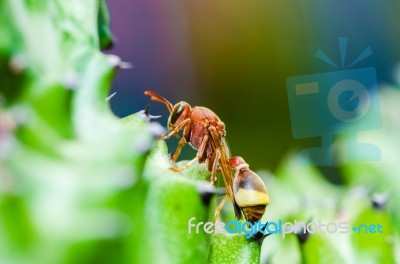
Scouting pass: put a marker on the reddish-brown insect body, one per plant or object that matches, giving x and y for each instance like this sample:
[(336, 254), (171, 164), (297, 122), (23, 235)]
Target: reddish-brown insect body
[(200, 127)]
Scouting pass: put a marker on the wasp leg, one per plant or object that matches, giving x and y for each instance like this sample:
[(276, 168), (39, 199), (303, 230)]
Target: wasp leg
[(183, 167), (215, 167), (177, 129), (201, 153), (178, 150), (219, 208), (199, 156)]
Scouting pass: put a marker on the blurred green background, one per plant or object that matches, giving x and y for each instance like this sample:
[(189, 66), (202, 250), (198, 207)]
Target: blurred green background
[(79, 184)]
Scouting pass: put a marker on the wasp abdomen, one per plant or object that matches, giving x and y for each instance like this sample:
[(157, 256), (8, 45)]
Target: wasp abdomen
[(250, 194)]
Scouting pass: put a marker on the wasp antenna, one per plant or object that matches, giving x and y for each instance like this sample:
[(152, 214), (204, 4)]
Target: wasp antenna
[(159, 98)]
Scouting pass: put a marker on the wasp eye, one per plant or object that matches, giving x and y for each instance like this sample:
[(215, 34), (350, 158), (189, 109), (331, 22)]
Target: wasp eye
[(177, 112)]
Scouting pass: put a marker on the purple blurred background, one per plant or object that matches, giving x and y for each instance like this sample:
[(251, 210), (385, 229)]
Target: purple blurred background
[(234, 57)]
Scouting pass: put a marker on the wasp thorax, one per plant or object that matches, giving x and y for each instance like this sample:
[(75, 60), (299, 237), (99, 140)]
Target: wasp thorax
[(249, 191)]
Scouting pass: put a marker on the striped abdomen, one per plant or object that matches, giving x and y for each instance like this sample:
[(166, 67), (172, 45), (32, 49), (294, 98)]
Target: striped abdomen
[(249, 191)]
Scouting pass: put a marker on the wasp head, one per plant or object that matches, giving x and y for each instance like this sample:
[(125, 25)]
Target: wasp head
[(179, 113)]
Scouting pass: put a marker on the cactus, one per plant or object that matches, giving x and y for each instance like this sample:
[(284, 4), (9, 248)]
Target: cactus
[(79, 185)]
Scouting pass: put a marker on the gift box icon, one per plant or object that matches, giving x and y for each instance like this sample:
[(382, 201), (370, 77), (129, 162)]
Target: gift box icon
[(331, 103)]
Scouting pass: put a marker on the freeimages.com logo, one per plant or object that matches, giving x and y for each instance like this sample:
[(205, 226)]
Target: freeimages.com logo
[(323, 104)]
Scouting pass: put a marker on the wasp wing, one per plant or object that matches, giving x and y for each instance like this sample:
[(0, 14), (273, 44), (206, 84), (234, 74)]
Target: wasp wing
[(219, 142)]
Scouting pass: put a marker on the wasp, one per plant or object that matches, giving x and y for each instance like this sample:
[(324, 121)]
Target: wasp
[(205, 132)]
